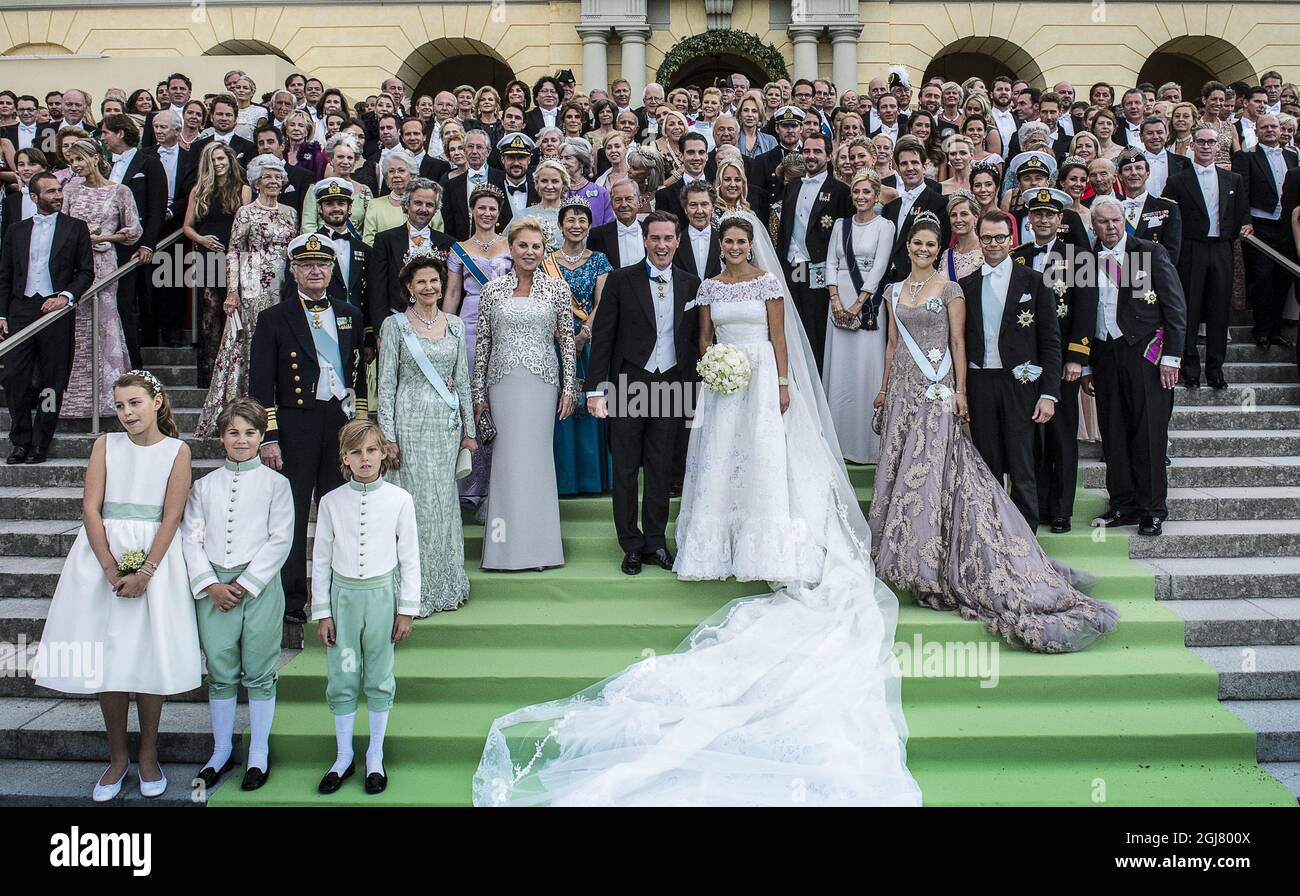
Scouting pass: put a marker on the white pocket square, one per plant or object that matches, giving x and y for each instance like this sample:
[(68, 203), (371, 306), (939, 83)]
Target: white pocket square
[(1026, 297), (289, 189), (137, 174)]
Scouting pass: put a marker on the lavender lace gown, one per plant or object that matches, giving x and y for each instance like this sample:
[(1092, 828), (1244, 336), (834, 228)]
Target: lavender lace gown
[(943, 528)]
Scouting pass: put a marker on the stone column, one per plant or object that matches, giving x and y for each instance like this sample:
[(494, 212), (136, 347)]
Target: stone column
[(634, 41), (805, 50), (844, 57), (595, 57)]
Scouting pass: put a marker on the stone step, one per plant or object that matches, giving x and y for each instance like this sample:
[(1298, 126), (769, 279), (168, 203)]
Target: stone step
[(69, 472), (1227, 623), (1260, 416), (186, 419), (1214, 472), (1245, 331), (1276, 724), (1231, 503), (1261, 372), (163, 356), (1215, 538), (78, 445), (1255, 672), (1221, 443), (1286, 772), (65, 784), (1245, 351), (1237, 394), (51, 729), (1208, 578)]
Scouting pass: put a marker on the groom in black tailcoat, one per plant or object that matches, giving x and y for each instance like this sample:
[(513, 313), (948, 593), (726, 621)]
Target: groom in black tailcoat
[(1013, 346), (644, 340)]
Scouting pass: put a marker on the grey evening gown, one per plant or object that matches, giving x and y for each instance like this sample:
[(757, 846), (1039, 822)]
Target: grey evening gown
[(945, 530)]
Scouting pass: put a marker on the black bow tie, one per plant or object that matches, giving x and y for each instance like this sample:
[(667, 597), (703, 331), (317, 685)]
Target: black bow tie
[(322, 305), (511, 188)]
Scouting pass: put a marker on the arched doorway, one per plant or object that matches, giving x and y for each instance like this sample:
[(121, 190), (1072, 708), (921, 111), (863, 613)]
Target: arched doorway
[(986, 58), (1193, 60), (246, 48), (703, 58), (448, 62), (38, 50)]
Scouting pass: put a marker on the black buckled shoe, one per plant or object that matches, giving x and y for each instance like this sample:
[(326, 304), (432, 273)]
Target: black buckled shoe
[(18, 455), (1060, 525), (254, 778), (662, 559), (35, 457), (376, 782), (333, 780), (210, 776), (1113, 518), (631, 563), (1150, 526)]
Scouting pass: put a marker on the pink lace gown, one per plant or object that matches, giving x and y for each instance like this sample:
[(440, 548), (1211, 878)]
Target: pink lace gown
[(106, 210), (945, 530)]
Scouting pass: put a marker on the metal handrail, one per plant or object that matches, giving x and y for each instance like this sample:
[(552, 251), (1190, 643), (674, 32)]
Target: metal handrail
[(1291, 266), (91, 292)]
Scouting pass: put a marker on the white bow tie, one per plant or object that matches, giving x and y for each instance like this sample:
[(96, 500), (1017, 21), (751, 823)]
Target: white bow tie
[(986, 270), (116, 158), (811, 177), (630, 229)]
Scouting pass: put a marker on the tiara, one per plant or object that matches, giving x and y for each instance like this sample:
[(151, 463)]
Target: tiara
[(983, 165), (487, 190), (961, 194), (155, 384), (733, 217), (925, 215), (421, 252), (575, 201)]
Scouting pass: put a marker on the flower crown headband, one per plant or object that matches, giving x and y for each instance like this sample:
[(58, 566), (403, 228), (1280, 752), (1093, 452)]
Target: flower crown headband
[(155, 384)]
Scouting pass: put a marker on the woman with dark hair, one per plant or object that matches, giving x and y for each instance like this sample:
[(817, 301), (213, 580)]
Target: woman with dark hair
[(194, 118), (139, 105), (424, 411), (603, 113), (941, 526), (1101, 95), (572, 121), (518, 94), (925, 127), (67, 135), (487, 114)]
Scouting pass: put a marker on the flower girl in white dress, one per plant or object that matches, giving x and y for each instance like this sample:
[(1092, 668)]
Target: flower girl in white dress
[(122, 618)]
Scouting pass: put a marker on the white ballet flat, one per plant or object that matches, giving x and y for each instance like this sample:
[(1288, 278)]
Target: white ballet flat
[(152, 789), (105, 792)]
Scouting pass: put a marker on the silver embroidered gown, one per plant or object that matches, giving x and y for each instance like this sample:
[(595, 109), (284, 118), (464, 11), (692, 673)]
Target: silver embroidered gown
[(943, 529), (428, 434)]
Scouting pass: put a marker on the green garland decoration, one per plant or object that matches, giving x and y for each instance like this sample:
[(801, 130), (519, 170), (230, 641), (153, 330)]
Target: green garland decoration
[(727, 40)]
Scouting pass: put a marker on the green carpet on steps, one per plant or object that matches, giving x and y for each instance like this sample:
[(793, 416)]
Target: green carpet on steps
[(1135, 720)]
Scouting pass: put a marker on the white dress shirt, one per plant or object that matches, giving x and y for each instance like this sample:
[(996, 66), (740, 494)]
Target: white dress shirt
[(701, 240), (26, 135), (169, 156), (1133, 132), (1158, 166), (424, 235), (890, 131), (1005, 121), (909, 198), (1208, 178), (29, 205), (342, 252), (993, 302), (38, 257), (1066, 123), (1133, 209), (120, 164), (631, 242), (330, 383), (1108, 293), (365, 530), (518, 200), (664, 356), (549, 116), (470, 183), (808, 191), (1248, 138), (1040, 258), (1277, 164), (240, 513)]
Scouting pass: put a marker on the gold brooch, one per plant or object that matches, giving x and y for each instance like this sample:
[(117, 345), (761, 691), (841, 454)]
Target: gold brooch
[(1026, 318)]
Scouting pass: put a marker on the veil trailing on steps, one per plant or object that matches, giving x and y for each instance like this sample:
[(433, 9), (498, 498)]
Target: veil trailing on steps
[(789, 698)]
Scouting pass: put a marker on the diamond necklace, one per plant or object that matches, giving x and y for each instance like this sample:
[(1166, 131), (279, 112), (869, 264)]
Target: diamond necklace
[(422, 319)]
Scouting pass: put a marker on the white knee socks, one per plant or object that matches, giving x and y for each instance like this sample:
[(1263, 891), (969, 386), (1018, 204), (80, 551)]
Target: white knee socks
[(375, 753), (343, 726), (223, 730), (260, 713)]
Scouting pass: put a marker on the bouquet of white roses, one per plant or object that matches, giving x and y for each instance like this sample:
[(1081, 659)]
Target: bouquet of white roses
[(724, 369)]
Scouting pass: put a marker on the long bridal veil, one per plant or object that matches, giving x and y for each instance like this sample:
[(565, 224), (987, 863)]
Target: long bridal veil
[(789, 698)]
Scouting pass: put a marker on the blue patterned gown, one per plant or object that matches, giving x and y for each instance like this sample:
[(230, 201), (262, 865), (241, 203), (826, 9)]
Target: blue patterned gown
[(583, 464)]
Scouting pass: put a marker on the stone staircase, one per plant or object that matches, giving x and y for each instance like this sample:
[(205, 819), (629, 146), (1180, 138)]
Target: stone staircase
[(1228, 564)]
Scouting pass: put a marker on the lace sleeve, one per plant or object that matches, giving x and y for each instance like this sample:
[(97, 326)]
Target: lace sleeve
[(483, 343), (563, 300), (768, 288)]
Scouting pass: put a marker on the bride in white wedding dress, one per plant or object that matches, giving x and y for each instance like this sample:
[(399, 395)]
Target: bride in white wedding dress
[(789, 698)]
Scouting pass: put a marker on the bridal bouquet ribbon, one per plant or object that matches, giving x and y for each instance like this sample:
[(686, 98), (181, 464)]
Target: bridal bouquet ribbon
[(131, 561), (724, 369), (932, 368)]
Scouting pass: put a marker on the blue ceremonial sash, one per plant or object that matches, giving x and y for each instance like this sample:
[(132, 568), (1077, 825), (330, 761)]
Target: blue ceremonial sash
[(427, 368), (327, 347), (470, 264), (937, 391)]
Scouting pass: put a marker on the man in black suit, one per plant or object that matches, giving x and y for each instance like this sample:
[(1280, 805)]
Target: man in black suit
[(1141, 324), (621, 240), (645, 341), (547, 93), (787, 121), (1048, 113), (456, 218), (1264, 170), (270, 141), (1034, 171), (1161, 163), (695, 155), (1148, 217), (1060, 265), (652, 97), (809, 210), (410, 134), (914, 196), (179, 88), (306, 370), (165, 311), (392, 246), (333, 197), (1212, 203), (1013, 346), (45, 265), (224, 117), (516, 152), (1133, 108), (698, 252), (27, 133), (144, 176)]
